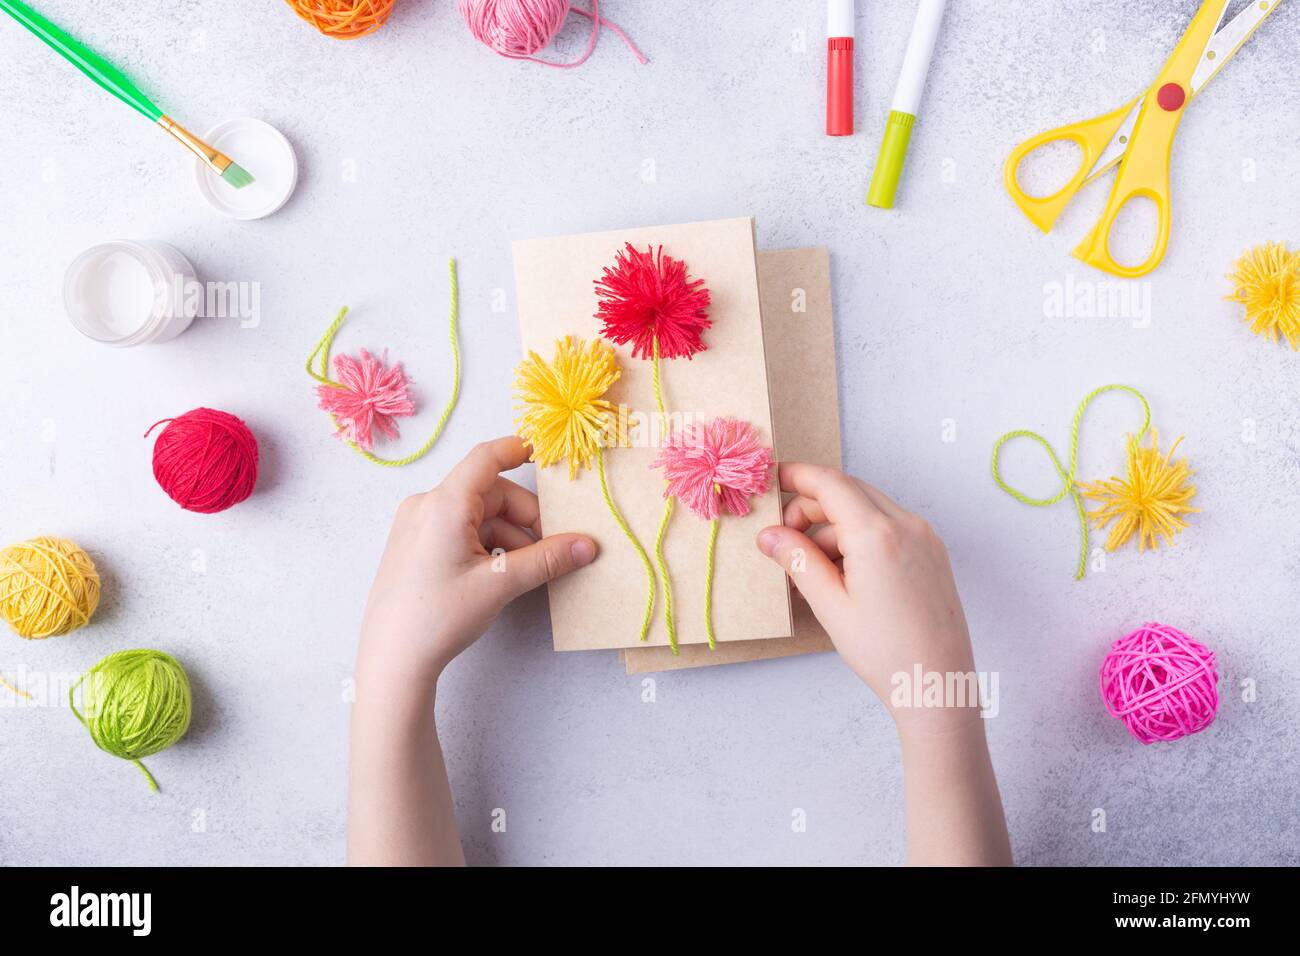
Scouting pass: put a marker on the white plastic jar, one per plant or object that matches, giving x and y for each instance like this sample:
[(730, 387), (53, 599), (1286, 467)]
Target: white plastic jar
[(125, 293)]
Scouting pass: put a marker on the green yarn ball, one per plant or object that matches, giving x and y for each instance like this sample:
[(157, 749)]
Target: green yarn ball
[(134, 703)]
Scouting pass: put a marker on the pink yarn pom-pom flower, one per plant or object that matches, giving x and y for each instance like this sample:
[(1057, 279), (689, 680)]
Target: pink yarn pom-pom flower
[(649, 300), (716, 467), (371, 397)]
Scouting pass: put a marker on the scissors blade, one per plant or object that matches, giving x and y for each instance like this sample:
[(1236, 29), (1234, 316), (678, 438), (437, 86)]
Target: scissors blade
[(1118, 144), (1221, 48), (1228, 40)]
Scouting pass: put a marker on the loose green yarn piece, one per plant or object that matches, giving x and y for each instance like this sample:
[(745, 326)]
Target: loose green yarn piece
[(645, 558), (1069, 480), (134, 703), (322, 352)]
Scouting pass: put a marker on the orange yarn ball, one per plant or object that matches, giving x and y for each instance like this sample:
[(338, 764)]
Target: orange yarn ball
[(343, 19)]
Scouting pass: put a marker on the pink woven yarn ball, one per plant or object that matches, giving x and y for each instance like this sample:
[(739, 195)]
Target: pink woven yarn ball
[(1161, 683)]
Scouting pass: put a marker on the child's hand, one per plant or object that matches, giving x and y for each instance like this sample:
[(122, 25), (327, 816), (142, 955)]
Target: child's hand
[(877, 578), (439, 586)]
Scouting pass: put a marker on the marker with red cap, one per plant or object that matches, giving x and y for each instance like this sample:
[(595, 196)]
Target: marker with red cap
[(839, 67)]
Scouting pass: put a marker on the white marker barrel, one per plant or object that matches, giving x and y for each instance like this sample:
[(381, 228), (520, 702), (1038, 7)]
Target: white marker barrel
[(916, 61)]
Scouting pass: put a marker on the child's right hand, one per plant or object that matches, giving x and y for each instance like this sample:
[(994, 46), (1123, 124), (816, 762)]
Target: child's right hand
[(879, 581), (440, 584)]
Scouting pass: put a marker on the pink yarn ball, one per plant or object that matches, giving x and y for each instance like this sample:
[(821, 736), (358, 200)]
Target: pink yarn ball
[(1161, 683), (520, 28), (515, 28)]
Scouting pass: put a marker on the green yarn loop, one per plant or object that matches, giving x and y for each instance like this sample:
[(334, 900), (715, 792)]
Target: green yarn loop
[(1069, 482), (134, 704)]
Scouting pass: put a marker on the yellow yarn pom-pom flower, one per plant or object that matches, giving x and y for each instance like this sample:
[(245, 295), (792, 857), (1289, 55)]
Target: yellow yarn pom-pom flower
[(1151, 502), (564, 413), (566, 417), (1267, 282)]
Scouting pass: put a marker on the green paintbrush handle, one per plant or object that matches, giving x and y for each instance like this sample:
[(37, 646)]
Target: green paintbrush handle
[(84, 59)]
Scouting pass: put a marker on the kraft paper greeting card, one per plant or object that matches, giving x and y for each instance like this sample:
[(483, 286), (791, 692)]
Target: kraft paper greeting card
[(591, 348)]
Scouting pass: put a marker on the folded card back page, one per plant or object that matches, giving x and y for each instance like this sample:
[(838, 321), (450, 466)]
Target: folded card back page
[(601, 606), (799, 337)]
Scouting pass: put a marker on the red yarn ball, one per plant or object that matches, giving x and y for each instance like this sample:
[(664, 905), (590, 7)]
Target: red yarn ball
[(1161, 683), (206, 460)]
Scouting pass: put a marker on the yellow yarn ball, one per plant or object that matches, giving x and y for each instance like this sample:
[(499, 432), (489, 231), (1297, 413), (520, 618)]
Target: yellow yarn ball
[(48, 586)]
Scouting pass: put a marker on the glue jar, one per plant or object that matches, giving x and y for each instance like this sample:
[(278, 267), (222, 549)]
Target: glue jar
[(125, 292)]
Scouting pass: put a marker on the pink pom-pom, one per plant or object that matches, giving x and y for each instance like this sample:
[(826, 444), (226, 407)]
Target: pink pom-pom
[(372, 396), (1161, 683), (716, 467)]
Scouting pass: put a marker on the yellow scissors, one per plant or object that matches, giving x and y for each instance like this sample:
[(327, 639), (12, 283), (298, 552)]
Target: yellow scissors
[(1139, 136)]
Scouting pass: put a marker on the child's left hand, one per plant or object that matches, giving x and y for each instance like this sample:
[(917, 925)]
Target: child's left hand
[(439, 587)]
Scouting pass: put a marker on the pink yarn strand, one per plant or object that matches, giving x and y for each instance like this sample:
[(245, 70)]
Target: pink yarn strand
[(596, 22)]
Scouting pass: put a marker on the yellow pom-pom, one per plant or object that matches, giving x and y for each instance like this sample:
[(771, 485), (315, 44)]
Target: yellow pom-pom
[(1150, 502), (564, 413), (48, 586), (1267, 282)]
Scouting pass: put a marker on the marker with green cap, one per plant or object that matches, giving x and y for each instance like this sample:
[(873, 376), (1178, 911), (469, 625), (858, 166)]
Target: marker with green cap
[(907, 99)]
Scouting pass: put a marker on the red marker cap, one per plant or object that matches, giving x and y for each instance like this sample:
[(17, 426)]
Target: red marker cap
[(839, 68)]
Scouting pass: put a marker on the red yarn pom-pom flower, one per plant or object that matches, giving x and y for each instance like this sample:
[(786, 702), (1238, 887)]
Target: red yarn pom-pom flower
[(716, 467), (647, 296), (372, 396)]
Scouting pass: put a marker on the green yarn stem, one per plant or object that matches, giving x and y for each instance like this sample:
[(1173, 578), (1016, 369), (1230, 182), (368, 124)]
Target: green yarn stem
[(1069, 482), (137, 703), (663, 571), (645, 558), (708, 583), (322, 351), (669, 621), (659, 392)]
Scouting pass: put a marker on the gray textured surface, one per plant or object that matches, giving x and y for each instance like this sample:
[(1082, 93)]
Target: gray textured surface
[(417, 144)]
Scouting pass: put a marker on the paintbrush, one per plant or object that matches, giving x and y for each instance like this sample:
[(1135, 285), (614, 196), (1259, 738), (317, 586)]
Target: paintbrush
[(116, 82)]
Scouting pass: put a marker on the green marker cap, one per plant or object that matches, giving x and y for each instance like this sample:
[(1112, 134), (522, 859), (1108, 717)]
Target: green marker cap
[(889, 164)]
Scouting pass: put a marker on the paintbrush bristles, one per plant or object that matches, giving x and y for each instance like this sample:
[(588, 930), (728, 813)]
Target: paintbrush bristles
[(237, 175)]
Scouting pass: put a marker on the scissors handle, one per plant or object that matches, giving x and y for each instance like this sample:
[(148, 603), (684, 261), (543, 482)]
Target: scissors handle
[(1091, 136), (1144, 171)]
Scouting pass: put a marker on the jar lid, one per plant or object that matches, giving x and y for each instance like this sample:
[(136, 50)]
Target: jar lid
[(262, 150)]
